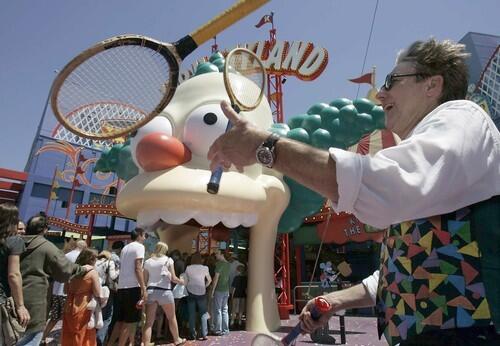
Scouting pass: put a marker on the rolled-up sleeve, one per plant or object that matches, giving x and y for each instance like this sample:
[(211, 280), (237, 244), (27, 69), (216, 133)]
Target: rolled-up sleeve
[(371, 285)]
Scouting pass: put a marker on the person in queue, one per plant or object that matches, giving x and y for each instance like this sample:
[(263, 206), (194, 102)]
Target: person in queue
[(76, 314), (159, 273), (220, 294), (108, 274), (437, 192), (11, 247), (40, 261), (21, 228), (58, 299), (132, 292), (198, 279)]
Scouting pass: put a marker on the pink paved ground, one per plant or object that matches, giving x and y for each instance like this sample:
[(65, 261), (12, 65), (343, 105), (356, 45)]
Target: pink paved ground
[(360, 331)]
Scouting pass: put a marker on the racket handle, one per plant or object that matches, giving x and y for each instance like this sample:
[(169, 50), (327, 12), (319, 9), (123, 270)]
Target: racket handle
[(214, 183), (320, 306), (230, 16)]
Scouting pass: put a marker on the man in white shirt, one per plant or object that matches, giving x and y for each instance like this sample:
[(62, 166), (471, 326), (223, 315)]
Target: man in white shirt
[(131, 289), (430, 189), (58, 299)]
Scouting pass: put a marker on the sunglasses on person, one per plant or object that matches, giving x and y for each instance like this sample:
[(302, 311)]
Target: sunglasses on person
[(391, 77)]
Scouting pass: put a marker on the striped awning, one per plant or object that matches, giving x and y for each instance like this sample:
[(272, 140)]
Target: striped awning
[(372, 143), (343, 227)]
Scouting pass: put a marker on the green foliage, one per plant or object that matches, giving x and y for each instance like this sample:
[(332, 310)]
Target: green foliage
[(317, 108), (216, 56), (340, 124), (299, 134), (340, 102), (206, 67), (118, 159), (214, 64), (303, 202)]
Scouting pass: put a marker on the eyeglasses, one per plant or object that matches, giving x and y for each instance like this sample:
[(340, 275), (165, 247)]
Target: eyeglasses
[(391, 77)]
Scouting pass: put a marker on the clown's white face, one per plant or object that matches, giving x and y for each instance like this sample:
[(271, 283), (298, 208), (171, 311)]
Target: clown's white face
[(171, 152)]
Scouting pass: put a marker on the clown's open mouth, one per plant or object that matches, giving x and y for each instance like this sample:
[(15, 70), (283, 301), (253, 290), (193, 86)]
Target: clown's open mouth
[(147, 218), (178, 195)]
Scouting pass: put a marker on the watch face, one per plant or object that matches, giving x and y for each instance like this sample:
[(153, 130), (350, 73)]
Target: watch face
[(264, 156)]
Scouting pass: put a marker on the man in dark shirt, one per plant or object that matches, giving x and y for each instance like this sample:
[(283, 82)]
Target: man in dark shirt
[(238, 297)]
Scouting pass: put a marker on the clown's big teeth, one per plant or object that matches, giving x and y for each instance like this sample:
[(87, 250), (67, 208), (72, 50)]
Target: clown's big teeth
[(178, 217)]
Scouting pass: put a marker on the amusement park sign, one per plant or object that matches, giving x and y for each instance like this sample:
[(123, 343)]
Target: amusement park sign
[(296, 58), (303, 60)]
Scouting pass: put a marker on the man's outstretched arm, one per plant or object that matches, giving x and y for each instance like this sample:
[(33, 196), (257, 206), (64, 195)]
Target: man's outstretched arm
[(312, 167)]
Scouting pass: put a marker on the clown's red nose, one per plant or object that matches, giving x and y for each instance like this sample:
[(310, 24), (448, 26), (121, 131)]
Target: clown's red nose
[(157, 151)]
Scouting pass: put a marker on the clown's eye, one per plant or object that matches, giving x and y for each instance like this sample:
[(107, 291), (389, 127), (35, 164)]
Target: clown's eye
[(202, 128), (210, 118)]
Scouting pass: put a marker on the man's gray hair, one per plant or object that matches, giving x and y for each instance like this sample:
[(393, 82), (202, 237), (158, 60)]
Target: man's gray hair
[(445, 58)]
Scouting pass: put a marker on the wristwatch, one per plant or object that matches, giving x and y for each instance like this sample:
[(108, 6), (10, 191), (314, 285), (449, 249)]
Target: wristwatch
[(266, 152)]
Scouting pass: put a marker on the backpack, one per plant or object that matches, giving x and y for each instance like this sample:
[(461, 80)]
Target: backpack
[(110, 283)]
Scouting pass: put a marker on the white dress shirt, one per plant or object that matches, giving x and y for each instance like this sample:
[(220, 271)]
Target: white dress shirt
[(449, 161)]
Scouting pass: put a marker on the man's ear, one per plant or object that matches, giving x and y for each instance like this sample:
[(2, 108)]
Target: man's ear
[(435, 86)]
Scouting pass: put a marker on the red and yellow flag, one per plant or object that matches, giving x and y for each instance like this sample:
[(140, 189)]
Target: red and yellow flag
[(268, 18)]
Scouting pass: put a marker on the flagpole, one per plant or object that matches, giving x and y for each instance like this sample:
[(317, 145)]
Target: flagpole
[(73, 185), (372, 93), (50, 192)]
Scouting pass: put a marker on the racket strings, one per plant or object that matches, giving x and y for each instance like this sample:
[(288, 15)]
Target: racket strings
[(114, 89), (243, 64), (104, 117)]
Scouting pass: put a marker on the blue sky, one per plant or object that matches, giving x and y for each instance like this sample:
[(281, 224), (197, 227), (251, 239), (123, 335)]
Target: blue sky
[(41, 36)]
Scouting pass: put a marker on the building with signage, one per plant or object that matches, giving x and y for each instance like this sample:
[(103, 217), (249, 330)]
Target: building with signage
[(484, 71), (60, 176)]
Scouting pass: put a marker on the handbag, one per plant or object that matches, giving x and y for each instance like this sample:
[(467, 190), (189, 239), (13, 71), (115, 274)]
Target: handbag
[(180, 291), (11, 328)]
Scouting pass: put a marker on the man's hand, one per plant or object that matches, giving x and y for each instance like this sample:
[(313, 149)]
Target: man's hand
[(309, 325), (238, 145), (23, 315)]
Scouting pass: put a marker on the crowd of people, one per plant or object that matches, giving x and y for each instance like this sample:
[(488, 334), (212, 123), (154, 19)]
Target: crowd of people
[(102, 298)]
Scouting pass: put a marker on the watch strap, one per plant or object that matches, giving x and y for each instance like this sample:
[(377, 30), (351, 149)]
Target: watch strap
[(270, 142)]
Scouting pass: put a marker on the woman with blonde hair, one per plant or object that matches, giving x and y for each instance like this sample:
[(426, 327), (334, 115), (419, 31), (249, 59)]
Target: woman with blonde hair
[(159, 273)]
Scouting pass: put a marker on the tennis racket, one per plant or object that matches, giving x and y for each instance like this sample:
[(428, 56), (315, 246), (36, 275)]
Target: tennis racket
[(320, 307), (135, 71), (244, 80)]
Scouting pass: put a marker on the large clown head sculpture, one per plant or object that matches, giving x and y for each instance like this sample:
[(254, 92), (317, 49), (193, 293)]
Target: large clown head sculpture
[(169, 193)]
